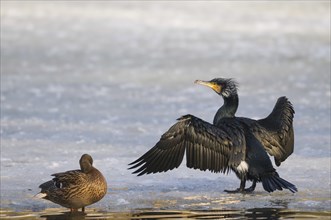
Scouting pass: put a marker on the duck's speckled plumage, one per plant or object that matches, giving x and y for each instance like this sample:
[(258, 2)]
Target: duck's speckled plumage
[(76, 189)]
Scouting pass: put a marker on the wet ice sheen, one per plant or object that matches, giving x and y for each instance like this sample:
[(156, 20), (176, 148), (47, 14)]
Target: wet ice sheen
[(259, 213), (109, 78)]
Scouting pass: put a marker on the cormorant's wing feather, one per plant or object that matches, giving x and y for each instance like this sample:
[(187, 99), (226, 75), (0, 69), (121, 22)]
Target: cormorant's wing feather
[(207, 147), (279, 125)]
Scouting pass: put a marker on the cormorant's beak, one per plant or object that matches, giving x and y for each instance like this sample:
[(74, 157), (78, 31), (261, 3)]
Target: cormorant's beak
[(217, 88)]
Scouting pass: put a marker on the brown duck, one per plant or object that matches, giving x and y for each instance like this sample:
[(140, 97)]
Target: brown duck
[(75, 189)]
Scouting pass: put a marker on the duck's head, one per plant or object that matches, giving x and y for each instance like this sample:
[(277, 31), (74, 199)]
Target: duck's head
[(86, 163)]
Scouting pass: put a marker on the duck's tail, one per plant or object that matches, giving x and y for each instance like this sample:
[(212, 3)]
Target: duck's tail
[(274, 182), (44, 189), (40, 195)]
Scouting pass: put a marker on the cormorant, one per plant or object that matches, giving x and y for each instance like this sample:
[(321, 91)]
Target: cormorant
[(230, 143)]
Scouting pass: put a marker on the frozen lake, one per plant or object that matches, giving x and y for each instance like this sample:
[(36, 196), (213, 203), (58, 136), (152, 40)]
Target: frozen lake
[(109, 78)]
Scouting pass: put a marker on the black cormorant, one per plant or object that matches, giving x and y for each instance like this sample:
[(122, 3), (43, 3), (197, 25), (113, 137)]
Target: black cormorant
[(230, 143)]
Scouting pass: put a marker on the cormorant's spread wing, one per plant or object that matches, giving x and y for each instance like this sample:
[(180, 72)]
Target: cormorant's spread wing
[(207, 147), (279, 127)]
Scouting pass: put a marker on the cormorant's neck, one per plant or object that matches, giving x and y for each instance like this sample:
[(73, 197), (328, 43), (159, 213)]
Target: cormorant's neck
[(228, 109)]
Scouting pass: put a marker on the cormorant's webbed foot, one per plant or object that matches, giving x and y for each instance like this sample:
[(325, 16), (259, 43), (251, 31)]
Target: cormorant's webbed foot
[(242, 189), (252, 188), (238, 190)]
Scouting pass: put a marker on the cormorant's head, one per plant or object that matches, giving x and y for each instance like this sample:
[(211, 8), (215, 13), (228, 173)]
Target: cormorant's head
[(86, 162), (223, 87)]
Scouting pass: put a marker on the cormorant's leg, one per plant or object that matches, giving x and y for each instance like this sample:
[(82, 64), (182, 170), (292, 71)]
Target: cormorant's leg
[(242, 185), (83, 209), (252, 188), (240, 189)]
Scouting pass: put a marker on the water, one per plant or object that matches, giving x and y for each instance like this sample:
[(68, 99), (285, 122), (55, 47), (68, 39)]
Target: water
[(266, 213), (109, 78)]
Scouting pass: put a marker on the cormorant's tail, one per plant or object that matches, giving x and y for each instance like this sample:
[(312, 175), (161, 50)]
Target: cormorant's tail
[(280, 122), (273, 182)]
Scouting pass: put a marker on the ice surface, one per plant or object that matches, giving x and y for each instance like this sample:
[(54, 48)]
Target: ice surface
[(108, 78)]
